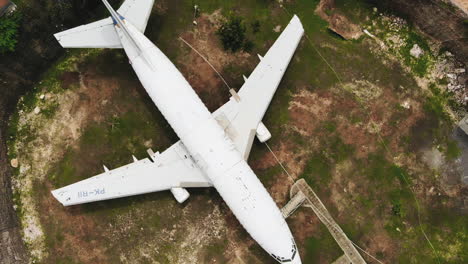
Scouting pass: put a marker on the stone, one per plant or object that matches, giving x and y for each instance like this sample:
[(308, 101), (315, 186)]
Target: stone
[(406, 104), (14, 163), (451, 75), (37, 110), (42, 97), (416, 51)]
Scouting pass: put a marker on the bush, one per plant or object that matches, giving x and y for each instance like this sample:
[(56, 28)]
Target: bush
[(255, 26), (9, 32), (232, 34)]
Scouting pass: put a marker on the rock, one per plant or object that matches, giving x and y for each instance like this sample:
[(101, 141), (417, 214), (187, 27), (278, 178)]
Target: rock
[(14, 163), (277, 28), (368, 33), (451, 75), (37, 110), (406, 104), (374, 9), (42, 97), (416, 51)]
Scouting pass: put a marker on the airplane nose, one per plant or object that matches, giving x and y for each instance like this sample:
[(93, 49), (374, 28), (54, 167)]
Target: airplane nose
[(296, 261)]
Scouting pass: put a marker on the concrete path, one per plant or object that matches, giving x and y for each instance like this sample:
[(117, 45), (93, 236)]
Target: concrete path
[(312, 201)]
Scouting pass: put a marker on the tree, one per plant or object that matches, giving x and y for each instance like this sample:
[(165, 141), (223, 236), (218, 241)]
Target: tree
[(232, 34), (9, 32)]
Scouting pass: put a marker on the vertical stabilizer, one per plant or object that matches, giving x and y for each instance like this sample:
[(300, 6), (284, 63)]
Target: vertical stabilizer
[(118, 20)]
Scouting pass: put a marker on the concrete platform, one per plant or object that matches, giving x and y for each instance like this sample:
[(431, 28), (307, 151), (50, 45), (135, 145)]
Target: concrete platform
[(302, 195)]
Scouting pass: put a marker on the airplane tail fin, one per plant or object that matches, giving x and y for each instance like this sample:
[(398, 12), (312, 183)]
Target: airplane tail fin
[(102, 33)]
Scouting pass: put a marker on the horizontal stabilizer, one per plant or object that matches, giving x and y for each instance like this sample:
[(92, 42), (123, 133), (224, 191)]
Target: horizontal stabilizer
[(99, 34)]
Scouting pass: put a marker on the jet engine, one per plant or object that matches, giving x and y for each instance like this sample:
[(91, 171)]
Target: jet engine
[(262, 133), (180, 194)]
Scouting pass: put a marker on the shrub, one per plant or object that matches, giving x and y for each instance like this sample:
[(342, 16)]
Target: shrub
[(9, 32), (232, 34), (255, 26)]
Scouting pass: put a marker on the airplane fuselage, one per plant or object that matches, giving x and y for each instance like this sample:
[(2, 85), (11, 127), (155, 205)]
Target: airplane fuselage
[(210, 147)]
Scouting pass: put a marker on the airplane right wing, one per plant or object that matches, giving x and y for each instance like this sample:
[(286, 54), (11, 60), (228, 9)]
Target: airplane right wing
[(172, 170), (242, 115)]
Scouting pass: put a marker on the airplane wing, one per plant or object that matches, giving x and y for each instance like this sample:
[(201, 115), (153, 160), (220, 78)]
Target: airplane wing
[(242, 116), (174, 168), (99, 34), (137, 12)]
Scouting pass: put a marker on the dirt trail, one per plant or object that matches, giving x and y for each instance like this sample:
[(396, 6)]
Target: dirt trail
[(12, 249)]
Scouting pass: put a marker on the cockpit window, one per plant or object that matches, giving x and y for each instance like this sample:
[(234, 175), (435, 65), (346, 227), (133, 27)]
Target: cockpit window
[(284, 260)]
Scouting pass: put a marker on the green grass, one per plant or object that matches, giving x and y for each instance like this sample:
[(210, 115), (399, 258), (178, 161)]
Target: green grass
[(268, 175), (215, 252), (321, 248), (418, 65), (317, 171), (452, 151), (380, 170)]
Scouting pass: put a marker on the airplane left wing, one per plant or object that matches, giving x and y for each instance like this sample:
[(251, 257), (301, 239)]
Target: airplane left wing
[(241, 117), (172, 169)]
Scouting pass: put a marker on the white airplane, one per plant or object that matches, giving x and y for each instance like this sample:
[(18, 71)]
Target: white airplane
[(213, 147)]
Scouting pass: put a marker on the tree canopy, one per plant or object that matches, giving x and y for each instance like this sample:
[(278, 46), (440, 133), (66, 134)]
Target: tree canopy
[(9, 25), (232, 34)]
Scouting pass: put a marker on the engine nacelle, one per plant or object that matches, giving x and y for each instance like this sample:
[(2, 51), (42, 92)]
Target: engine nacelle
[(180, 194), (262, 133)]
